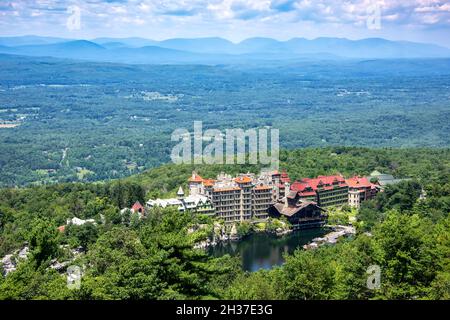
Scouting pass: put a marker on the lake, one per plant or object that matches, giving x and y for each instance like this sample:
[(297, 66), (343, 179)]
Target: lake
[(263, 250)]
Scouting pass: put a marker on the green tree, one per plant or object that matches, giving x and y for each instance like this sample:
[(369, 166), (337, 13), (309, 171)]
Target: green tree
[(43, 241), (307, 275), (31, 281), (408, 262), (82, 235), (258, 285)]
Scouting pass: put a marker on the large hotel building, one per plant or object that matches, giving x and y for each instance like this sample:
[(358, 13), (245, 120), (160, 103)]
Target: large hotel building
[(324, 190), (335, 190), (243, 197), (251, 197)]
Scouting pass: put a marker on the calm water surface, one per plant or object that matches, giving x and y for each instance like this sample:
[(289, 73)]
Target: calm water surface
[(263, 251)]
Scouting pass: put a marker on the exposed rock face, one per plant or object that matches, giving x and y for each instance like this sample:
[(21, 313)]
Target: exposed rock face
[(234, 233), (332, 237), (8, 264), (10, 261)]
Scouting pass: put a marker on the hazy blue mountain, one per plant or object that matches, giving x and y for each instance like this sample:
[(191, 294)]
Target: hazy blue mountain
[(132, 42), (200, 45), (114, 45), (81, 49), (86, 50), (259, 44), (29, 40), (366, 48), (221, 51)]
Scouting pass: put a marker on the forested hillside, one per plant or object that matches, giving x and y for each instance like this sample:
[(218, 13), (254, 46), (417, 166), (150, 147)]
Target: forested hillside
[(424, 164), (153, 258), (65, 121)]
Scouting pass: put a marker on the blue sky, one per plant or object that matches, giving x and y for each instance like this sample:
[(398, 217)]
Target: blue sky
[(414, 20)]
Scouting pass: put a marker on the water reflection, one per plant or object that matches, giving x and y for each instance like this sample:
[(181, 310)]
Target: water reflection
[(263, 251)]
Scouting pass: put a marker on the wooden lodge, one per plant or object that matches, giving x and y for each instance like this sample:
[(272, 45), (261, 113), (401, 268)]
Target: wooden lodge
[(300, 213)]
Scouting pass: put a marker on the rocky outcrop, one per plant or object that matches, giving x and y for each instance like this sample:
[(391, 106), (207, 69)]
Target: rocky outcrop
[(10, 261), (332, 237)]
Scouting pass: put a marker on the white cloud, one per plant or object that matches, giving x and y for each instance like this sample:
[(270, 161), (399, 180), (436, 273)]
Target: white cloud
[(144, 7), (224, 17), (119, 10), (430, 19)]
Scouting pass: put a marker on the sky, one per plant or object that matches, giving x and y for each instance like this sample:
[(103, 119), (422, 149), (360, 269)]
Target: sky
[(412, 20)]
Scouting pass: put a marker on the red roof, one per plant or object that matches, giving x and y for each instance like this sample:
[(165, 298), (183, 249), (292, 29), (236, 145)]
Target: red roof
[(358, 182), (195, 178), (208, 182), (327, 180), (300, 185), (137, 207), (61, 229), (243, 179), (308, 186), (284, 177)]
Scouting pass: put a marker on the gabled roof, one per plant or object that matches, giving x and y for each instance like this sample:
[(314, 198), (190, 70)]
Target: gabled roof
[(195, 178), (137, 206), (358, 182), (326, 182), (208, 182), (243, 179), (291, 210)]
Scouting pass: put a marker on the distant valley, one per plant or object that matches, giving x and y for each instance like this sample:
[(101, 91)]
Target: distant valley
[(65, 120)]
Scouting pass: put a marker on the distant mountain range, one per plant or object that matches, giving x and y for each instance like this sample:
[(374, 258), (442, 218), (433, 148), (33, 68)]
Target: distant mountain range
[(216, 50)]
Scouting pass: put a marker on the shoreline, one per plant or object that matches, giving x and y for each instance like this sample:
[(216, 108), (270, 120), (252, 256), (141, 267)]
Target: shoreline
[(230, 238), (336, 232)]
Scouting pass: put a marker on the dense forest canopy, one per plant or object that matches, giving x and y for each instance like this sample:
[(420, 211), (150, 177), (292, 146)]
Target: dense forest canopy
[(406, 235), (65, 121)]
